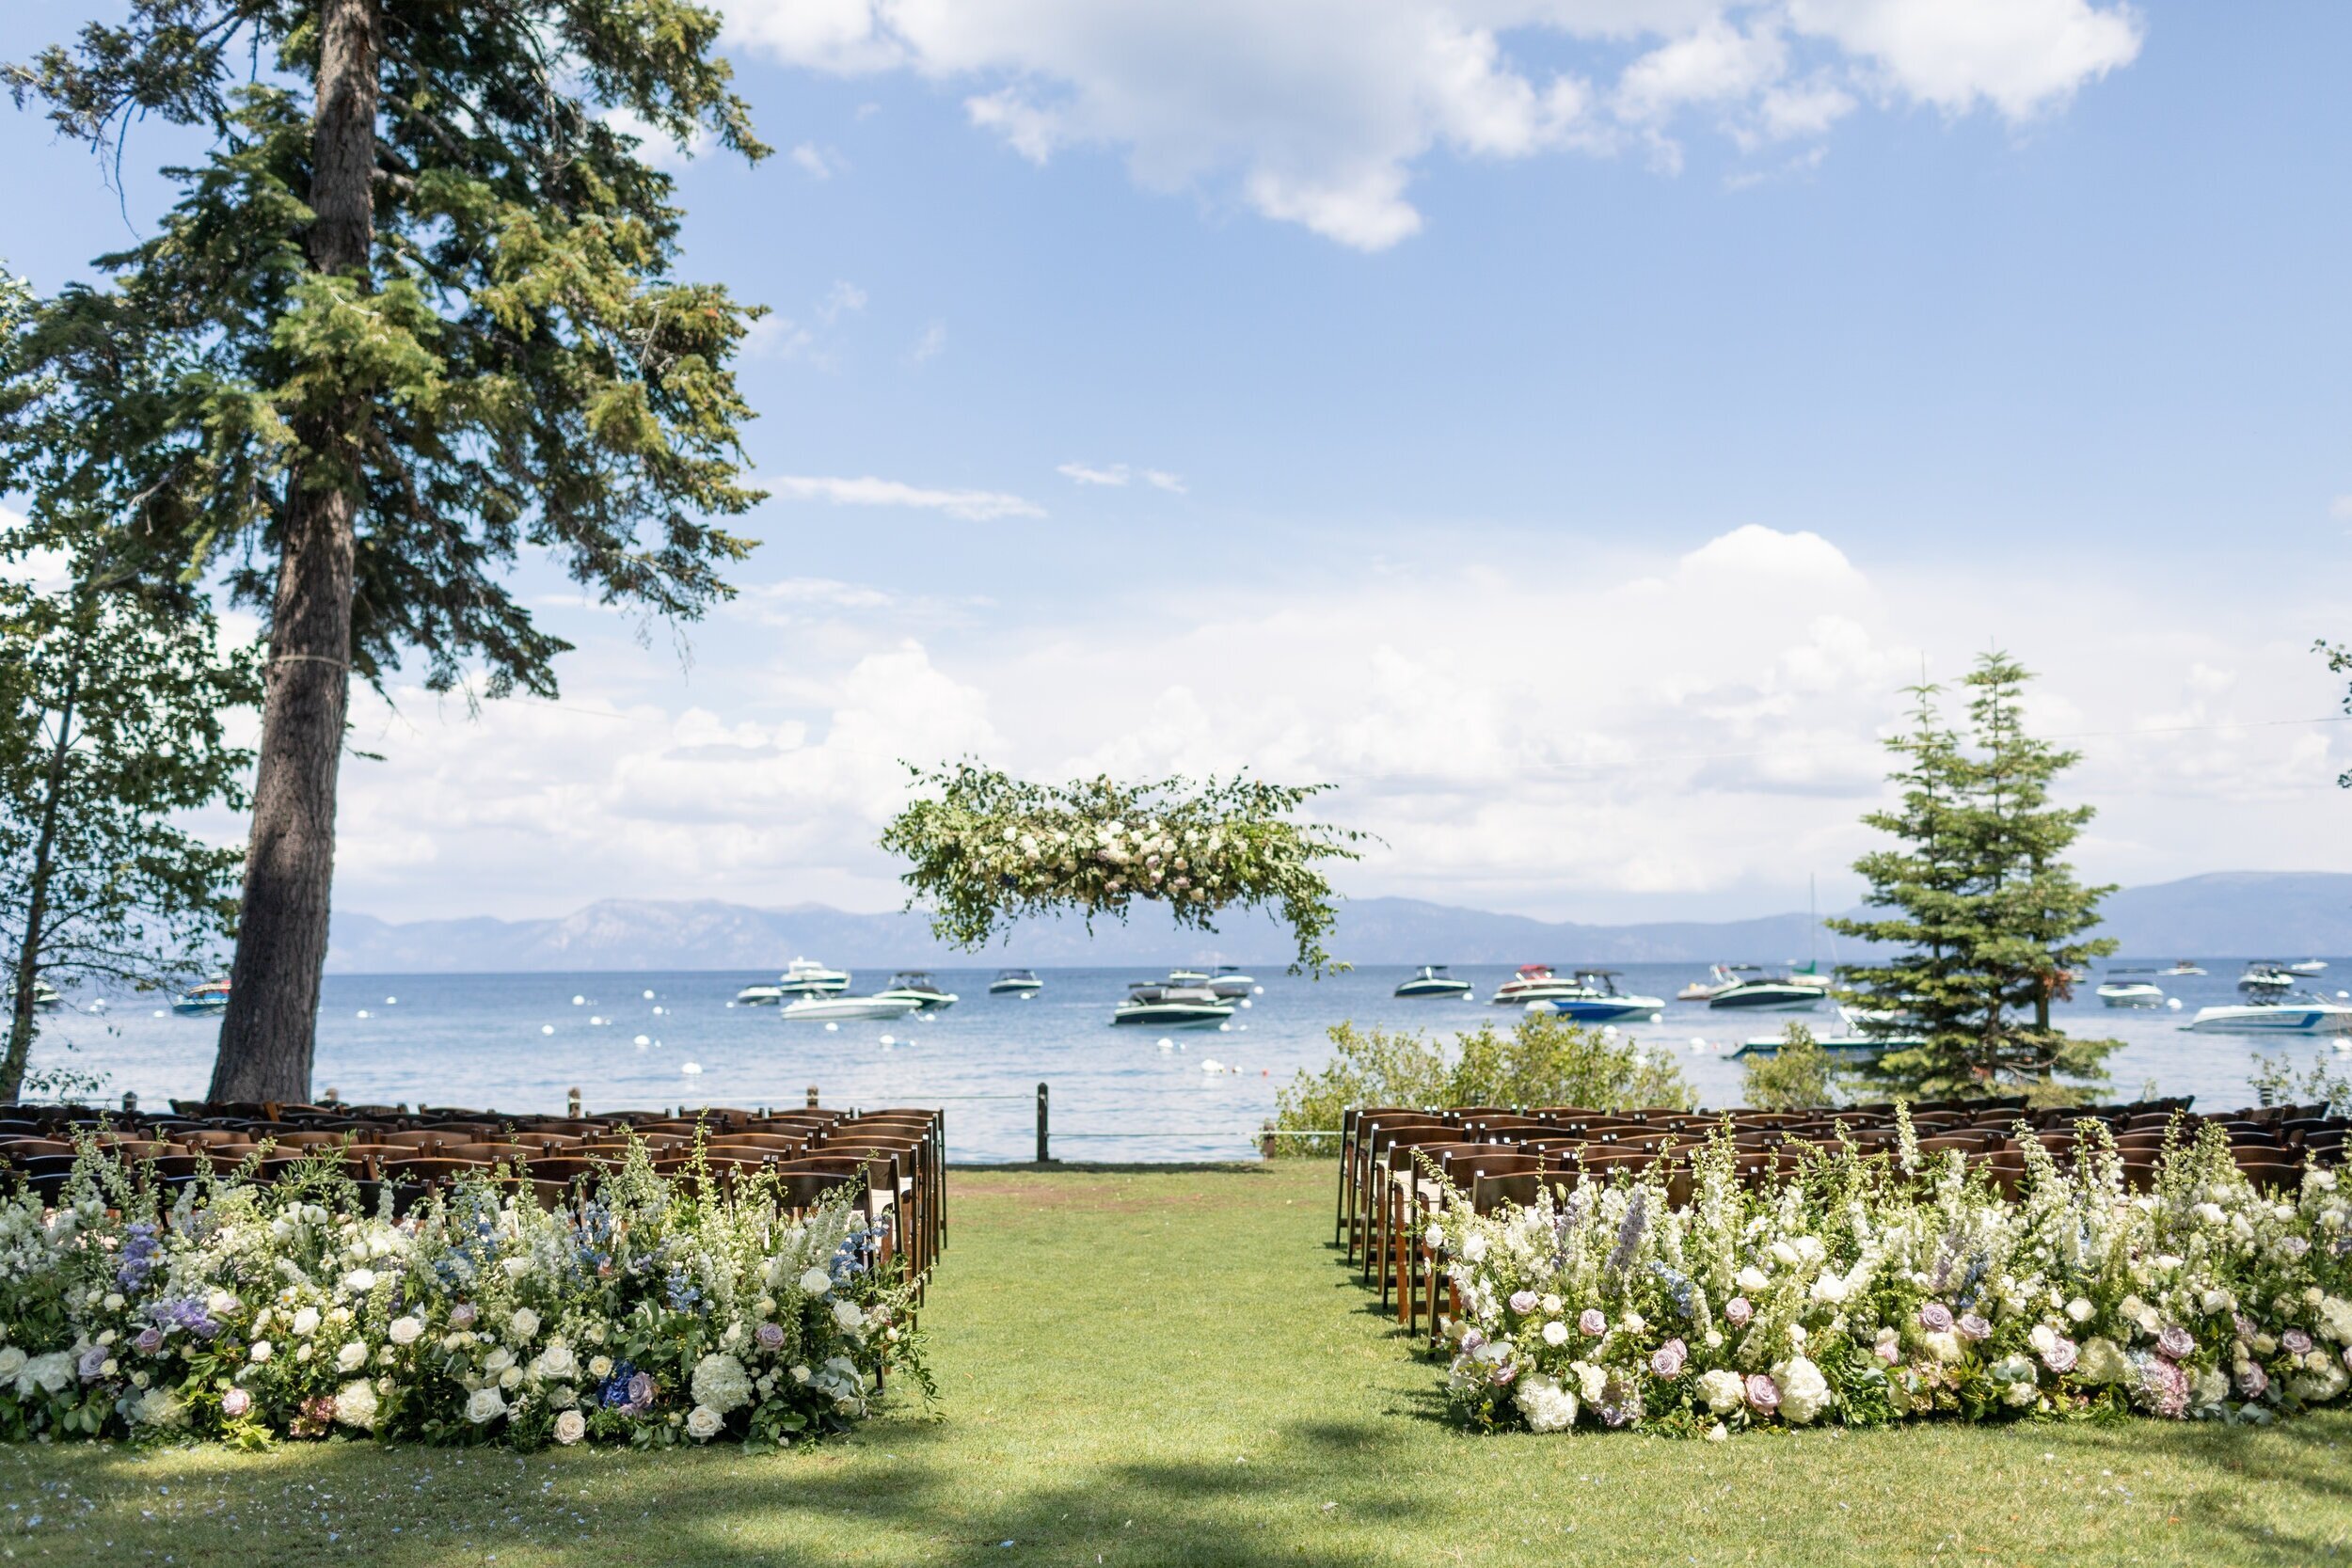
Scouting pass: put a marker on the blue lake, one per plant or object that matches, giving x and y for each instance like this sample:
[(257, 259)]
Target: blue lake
[(520, 1041)]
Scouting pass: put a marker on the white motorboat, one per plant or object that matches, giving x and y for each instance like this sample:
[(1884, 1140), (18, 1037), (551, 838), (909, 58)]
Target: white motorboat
[(2265, 978), (2130, 988), (1533, 983), (1720, 978), (1598, 999), (1173, 1008), (1432, 980), (45, 997), (2292, 1014), (1231, 983), (1772, 993), (1015, 982), (1187, 977), (2309, 966), (202, 1001), (800, 977), (832, 1009), (2183, 966), (916, 986)]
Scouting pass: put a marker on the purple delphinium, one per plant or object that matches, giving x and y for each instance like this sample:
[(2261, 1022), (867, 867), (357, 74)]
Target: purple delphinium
[(138, 1256), (1631, 1232)]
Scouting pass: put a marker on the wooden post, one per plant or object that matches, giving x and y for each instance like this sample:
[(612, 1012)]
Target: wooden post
[(812, 1096), (1043, 1157)]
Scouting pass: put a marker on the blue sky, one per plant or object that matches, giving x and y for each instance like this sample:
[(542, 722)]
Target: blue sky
[(1562, 423)]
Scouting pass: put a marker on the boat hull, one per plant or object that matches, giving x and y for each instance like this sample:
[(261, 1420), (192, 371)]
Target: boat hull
[(834, 1009), (1768, 999), (2131, 997), (1174, 1014), (1016, 987), (1599, 1009), (2272, 1020), (1435, 988)]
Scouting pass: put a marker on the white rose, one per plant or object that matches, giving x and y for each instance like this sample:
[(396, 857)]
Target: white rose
[(403, 1331), (524, 1323), (12, 1362), (485, 1405), (1593, 1381), (1752, 1278), (359, 1281), (1556, 1332), (847, 1315), (1550, 1305), (2081, 1310), (1830, 1288), (704, 1423), (1433, 1238), (1803, 1392), (556, 1361), (260, 1352), (570, 1426), (355, 1405), (601, 1367), (816, 1282), (511, 1378), (1785, 1255), (306, 1322), (497, 1360), (351, 1357), (2041, 1336), (1474, 1247)]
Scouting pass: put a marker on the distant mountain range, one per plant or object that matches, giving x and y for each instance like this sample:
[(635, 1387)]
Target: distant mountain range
[(2225, 914)]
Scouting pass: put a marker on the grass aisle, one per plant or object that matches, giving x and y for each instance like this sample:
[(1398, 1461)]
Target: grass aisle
[(1172, 1368)]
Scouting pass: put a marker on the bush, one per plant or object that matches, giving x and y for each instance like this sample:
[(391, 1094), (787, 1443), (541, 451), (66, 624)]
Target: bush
[(1799, 1076), (1544, 1060)]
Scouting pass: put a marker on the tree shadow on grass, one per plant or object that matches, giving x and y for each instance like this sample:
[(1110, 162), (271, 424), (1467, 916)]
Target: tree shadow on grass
[(2299, 1467)]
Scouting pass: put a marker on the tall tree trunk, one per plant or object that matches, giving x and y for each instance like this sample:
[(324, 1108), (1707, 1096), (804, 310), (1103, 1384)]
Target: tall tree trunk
[(267, 1037), (22, 1026)]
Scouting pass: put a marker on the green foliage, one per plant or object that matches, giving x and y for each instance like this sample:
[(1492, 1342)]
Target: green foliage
[(513, 369), (1544, 1060), (2277, 1082), (988, 849), (1988, 923), (112, 702), (1799, 1076)]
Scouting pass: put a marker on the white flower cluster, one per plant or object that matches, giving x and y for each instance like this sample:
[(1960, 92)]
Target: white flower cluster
[(1857, 1293), (645, 1313)]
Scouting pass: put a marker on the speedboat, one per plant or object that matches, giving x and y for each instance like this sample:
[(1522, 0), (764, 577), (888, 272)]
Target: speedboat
[(1230, 982), (200, 1001), (834, 1009), (1015, 982), (2264, 976), (1597, 1000), (2295, 1013), (1173, 1008), (916, 986), (1772, 993), (1432, 980), (2130, 988), (1721, 979), (2309, 966), (1533, 983), (45, 997), (1187, 977), (801, 977), (2183, 966)]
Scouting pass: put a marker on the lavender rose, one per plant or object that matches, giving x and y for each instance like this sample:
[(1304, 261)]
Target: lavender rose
[(462, 1315), (1935, 1318), (2061, 1355), (1523, 1302), (2247, 1327), (2295, 1342), (1972, 1326), (93, 1364), (2175, 1343), (235, 1402), (151, 1339), (770, 1337), (1763, 1393), (1738, 1310), (1592, 1320), (2252, 1382), (1667, 1359)]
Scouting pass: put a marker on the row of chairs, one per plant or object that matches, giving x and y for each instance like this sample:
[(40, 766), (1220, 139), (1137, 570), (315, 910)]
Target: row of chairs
[(1399, 1163), (894, 1160)]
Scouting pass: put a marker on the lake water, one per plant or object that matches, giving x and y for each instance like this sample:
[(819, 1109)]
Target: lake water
[(517, 1043)]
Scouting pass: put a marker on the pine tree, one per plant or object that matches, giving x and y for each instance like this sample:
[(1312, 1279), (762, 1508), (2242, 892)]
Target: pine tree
[(412, 315), (1990, 924)]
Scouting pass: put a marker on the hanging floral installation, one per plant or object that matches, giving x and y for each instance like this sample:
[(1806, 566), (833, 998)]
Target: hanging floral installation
[(987, 849)]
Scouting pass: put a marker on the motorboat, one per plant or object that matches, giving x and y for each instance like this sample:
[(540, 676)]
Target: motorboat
[(201, 1000), (1173, 1008), (2130, 988), (1231, 983), (1861, 1047), (1432, 980), (800, 977), (45, 997), (2265, 978), (1598, 999), (2294, 1013), (835, 1010), (1721, 979), (915, 985), (1533, 983), (1015, 982), (2183, 966), (2309, 966), (1772, 993), (1187, 977)]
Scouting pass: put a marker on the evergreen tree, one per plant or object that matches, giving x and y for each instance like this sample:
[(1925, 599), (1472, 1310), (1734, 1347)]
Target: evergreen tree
[(1989, 925), (410, 315)]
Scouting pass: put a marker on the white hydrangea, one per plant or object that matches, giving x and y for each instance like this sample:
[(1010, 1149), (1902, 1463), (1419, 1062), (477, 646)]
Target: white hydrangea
[(720, 1382), (1548, 1406), (1723, 1390), (356, 1405), (1803, 1392)]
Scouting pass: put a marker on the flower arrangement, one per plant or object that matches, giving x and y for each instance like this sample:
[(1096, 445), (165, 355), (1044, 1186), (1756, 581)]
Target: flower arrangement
[(989, 848), (647, 1313), (1868, 1291)]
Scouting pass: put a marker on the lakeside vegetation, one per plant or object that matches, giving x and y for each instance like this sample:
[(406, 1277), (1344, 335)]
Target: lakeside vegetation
[(1189, 1377)]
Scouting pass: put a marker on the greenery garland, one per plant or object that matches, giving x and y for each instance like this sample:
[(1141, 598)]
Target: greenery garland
[(987, 849)]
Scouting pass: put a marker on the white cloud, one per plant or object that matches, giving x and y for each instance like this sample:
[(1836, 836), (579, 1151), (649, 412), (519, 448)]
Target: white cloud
[(780, 336), (1079, 473), (978, 506), (818, 163), (1160, 479), (655, 146), (1318, 112), (2340, 509), (931, 344)]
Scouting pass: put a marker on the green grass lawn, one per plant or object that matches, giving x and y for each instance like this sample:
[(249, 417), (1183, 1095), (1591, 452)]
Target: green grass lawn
[(1174, 1367)]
